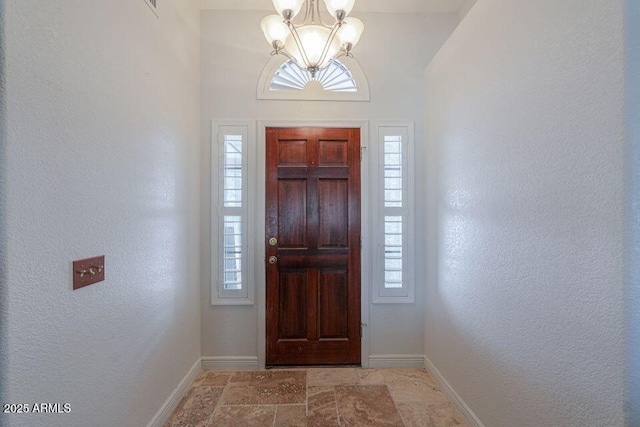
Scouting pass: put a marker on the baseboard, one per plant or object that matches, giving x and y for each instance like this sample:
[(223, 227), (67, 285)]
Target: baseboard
[(396, 361), (460, 404), (230, 363), (171, 403)]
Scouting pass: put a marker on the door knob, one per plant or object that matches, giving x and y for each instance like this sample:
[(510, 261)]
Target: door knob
[(273, 241), (273, 260)]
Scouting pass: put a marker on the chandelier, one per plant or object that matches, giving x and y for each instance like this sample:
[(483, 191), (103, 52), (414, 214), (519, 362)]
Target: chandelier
[(312, 44)]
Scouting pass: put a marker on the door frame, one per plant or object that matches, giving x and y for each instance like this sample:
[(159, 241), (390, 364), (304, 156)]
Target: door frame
[(259, 226)]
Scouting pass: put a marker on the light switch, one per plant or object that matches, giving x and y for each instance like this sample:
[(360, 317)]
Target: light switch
[(88, 271)]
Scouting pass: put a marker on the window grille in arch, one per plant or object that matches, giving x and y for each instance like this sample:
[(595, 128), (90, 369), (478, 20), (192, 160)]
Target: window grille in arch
[(334, 78), (342, 80)]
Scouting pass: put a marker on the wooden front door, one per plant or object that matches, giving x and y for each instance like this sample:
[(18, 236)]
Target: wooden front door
[(313, 246)]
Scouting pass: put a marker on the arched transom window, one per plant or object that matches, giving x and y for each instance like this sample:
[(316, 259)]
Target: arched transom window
[(335, 78), (342, 80)]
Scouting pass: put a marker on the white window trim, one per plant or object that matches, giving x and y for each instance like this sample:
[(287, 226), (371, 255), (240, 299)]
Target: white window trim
[(406, 294), (220, 296)]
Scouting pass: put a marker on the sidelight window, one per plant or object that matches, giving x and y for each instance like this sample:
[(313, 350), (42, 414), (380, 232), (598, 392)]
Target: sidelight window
[(393, 221), (229, 226)]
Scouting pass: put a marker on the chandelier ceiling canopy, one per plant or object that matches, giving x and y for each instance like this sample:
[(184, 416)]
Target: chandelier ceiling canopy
[(312, 44)]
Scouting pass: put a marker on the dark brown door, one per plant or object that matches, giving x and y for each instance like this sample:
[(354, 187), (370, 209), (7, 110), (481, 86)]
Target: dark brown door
[(313, 246)]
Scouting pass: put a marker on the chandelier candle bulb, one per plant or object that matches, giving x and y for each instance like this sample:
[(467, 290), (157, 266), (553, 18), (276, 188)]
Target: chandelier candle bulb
[(351, 31), (293, 5), (335, 6), (312, 45), (274, 29)]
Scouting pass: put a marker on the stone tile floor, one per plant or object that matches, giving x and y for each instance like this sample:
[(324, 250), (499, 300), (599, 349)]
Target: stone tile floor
[(315, 397)]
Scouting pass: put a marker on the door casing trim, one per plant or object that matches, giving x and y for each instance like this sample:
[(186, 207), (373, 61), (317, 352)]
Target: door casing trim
[(260, 213)]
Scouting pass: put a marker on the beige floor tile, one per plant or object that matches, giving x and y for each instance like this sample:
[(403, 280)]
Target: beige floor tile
[(196, 407), (436, 415), (316, 397), (291, 416), (265, 387), (413, 386), (198, 381), (333, 376), (322, 407), (372, 376), (212, 379), (243, 416), (322, 422), (416, 375), (366, 406), (408, 391)]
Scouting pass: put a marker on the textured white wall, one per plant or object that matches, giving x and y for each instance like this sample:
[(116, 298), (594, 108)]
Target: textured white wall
[(633, 192), (524, 309), (100, 155), (234, 53)]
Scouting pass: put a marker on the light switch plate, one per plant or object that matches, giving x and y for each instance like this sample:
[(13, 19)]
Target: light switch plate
[(88, 271)]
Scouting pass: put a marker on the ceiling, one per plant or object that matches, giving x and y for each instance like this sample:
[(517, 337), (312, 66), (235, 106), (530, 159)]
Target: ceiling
[(386, 6)]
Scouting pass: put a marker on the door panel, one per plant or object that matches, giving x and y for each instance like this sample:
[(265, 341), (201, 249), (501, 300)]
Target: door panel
[(333, 205), (334, 304), (333, 153), (293, 213), (293, 305), (292, 153), (313, 279)]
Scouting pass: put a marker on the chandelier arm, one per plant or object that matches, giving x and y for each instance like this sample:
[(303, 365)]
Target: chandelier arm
[(286, 54), (327, 46), (296, 38), (322, 24), (343, 53), (306, 13), (317, 3)]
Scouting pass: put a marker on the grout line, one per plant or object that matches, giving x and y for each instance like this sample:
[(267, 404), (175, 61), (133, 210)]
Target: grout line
[(275, 415), (209, 422), (335, 399), (306, 390), (395, 405)]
